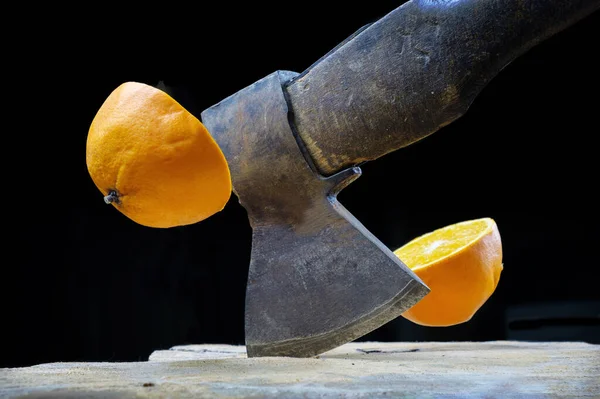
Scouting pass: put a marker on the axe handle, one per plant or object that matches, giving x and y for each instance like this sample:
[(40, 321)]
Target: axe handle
[(412, 72)]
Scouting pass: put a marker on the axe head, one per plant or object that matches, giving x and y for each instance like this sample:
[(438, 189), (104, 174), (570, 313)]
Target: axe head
[(318, 278)]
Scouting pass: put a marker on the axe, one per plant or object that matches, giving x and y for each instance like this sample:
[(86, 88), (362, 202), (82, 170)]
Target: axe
[(317, 277)]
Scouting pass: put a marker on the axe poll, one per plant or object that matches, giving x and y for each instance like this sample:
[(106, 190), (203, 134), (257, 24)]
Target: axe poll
[(318, 278)]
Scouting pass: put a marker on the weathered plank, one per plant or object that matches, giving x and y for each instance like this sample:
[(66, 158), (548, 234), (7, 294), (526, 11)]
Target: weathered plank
[(503, 369)]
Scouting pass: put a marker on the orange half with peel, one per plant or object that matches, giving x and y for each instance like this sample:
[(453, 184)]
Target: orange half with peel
[(461, 264), (154, 161)]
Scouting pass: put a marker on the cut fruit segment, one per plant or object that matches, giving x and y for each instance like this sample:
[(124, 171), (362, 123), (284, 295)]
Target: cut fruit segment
[(461, 264), (154, 161)]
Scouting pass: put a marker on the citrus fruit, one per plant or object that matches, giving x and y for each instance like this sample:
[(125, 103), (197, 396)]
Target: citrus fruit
[(461, 264), (155, 161)]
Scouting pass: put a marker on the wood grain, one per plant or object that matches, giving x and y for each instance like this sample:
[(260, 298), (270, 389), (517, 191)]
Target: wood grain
[(498, 369)]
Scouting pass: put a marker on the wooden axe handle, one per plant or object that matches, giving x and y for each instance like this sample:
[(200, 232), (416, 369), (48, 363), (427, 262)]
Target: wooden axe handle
[(412, 72)]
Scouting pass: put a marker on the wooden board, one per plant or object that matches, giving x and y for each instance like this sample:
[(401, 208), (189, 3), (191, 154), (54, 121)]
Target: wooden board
[(502, 369)]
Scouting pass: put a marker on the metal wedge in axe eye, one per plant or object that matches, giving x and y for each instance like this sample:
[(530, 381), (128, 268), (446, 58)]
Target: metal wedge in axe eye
[(317, 277)]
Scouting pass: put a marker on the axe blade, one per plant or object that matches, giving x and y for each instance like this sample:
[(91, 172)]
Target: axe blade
[(318, 278)]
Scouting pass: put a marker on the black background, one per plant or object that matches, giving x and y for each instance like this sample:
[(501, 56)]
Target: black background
[(84, 283)]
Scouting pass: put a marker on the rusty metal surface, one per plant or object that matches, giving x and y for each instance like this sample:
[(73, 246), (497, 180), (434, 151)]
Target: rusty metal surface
[(414, 71), (317, 278)]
